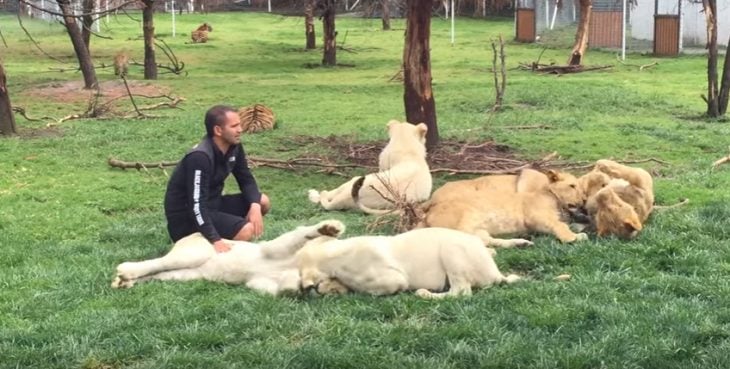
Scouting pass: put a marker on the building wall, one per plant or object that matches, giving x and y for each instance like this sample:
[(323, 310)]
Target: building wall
[(693, 21)]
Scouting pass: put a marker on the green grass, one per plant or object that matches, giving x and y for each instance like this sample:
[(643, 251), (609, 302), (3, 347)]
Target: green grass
[(67, 219)]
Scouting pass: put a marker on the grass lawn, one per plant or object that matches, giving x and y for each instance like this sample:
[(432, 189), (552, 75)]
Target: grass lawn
[(67, 218)]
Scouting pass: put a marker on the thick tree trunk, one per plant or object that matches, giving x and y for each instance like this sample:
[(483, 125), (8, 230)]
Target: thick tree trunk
[(82, 52), (148, 28), (418, 96), (87, 20), (309, 24), (7, 119), (386, 14), (581, 35), (725, 87), (330, 42)]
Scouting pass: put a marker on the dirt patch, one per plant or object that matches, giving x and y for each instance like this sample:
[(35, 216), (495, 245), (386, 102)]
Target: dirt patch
[(450, 156), (73, 92), (46, 132)]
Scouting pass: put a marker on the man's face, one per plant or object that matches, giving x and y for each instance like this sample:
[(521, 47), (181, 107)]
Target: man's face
[(230, 130)]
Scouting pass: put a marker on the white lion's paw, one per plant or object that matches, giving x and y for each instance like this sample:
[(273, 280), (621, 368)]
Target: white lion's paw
[(127, 271), (314, 196), (521, 242), (331, 228), (512, 278), (119, 282), (424, 293), (581, 237), (332, 286)]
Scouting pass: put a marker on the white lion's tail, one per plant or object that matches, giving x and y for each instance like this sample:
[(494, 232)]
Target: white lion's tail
[(355, 193)]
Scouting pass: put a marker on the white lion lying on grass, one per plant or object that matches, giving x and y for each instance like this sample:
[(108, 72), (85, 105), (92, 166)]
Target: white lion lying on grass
[(421, 260), (268, 267)]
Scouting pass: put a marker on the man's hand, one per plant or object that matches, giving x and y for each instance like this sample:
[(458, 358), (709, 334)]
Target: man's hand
[(256, 219), (221, 246)]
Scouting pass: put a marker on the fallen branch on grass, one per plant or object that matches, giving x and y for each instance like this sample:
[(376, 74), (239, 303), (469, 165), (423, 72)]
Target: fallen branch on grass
[(664, 207), (252, 161), (291, 164), (538, 126), (20, 110), (641, 67), (560, 69), (721, 161)]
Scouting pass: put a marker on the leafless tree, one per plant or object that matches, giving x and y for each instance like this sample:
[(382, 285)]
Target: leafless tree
[(386, 14), (330, 35), (717, 98), (309, 24), (87, 20), (80, 44), (148, 28), (80, 48), (581, 35), (418, 96), (7, 119)]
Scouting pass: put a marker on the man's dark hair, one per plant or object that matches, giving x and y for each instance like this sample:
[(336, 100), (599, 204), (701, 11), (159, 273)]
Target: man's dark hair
[(215, 116)]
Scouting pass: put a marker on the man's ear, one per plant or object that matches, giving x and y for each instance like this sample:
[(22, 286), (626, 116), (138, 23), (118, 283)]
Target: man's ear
[(217, 130)]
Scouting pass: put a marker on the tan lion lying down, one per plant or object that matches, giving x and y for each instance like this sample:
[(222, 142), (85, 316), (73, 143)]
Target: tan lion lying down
[(268, 267), (403, 167), (621, 198), (421, 260), (498, 205)]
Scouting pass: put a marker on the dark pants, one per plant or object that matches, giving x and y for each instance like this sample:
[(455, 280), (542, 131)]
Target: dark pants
[(228, 216)]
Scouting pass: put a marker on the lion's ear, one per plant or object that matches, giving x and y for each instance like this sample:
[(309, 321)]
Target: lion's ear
[(390, 124), (632, 224), (553, 175)]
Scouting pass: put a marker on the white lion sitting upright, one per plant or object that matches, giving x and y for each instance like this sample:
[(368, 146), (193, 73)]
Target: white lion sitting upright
[(402, 169), (268, 267)]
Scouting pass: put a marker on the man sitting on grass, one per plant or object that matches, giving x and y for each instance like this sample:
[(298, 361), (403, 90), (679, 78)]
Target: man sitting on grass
[(194, 201)]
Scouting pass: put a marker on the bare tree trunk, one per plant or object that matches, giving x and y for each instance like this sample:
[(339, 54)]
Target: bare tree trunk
[(581, 35), (309, 24), (148, 28), (725, 87), (330, 43), (713, 108), (87, 21), (418, 96), (82, 52), (386, 14), (7, 119)]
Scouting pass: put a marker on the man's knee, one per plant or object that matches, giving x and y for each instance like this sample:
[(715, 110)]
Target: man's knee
[(265, 204), (245, 233)]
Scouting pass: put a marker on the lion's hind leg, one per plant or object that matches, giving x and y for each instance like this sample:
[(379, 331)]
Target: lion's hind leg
[(337, 199), (490, 241), (459, 286), (189, 252), (171, 275)]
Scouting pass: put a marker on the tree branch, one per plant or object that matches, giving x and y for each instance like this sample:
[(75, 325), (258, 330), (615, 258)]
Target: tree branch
[(78, 15), (20, 21), (3, 38)]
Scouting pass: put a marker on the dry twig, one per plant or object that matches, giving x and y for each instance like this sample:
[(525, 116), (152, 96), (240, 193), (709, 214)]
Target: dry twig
[(721, 161), (499, 86)]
